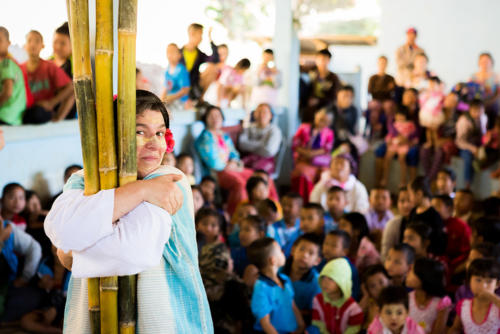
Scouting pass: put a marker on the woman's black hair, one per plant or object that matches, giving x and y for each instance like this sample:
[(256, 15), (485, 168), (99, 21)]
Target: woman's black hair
[(146, 100), (208, 108), (487, 268), (393, 295), (252, 183), (358, 223), (63, 29), (10, 187), (431, 274), (420, 183)]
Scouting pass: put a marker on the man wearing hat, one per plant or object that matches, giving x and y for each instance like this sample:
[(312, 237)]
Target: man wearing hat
[(405, 56)]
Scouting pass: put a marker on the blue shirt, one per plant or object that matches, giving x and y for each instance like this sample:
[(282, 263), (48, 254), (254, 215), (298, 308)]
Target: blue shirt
[(177, 80), (285, 236), (269, 298), (305, 289)]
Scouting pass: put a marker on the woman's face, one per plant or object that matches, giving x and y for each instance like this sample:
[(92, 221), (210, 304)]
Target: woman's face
[(214, 119), (151, 145), (404, 204), (33, 205), (263, 116)]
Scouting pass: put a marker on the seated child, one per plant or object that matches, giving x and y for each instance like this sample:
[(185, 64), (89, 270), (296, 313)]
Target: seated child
[(334, 310), (458, 244), (394, 316), (185, 163), (268, 210), (336, 245), (446, 180), (198, 200), (231, 84), (209, 223), (481, 313), (227, 295), (251, 228), (306, 255), (272, 300), (273, 194), (208, 187), (468, 140), (12, 92), (345, 114), (50, 86), (489, 153), (402, 135), (233, 230), (312, 145), (417, 235), (486, 229), (336, 202), (398, 262), (362, 252), (375, 279), (177, 84), (463, 203), (380, 209), (13, 203), (484, 250), (287, 230), (258, 190), (312, 219), (429, 305)]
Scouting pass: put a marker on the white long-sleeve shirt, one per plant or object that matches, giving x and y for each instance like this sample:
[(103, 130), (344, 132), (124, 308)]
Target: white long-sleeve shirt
[(83, 225)]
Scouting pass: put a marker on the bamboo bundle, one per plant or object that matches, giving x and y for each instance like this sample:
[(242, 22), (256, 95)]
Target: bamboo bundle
[(127, 156), (106, 143), (78, 14)]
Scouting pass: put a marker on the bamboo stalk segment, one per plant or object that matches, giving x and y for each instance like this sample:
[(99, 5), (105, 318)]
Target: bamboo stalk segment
[(127, 303), (78, 19), (127, 152), (127, 29), (109, 305), (104, 94), (106, 143)]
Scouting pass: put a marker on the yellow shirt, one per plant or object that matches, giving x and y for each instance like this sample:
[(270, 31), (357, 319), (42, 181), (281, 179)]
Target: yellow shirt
[(189, 58)]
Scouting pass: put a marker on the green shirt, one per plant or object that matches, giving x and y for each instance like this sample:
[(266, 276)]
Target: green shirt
[(11, 112)]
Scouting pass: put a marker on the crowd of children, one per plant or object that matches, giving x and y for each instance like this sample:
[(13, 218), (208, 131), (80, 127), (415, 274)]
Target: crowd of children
[(326, 256)]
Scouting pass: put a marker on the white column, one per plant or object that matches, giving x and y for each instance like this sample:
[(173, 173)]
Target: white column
[(286, 50)]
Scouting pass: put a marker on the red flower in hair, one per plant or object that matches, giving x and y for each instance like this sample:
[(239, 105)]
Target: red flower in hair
[(169, 139)]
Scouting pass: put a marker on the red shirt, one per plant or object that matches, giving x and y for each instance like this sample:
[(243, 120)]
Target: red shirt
[(45, 80), (458, 246)]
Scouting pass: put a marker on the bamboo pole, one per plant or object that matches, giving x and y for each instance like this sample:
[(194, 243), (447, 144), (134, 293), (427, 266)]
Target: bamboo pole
[(127, 156), (106, 143), (78, 19)]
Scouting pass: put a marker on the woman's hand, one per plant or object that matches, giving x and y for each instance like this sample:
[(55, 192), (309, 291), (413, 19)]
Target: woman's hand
[(163, 192), (233, 165)]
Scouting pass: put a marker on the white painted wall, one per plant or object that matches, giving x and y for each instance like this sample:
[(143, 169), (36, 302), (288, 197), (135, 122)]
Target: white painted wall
[(452, 32)]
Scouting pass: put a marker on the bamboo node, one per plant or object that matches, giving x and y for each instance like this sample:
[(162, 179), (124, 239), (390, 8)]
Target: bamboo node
[(82, 77), (109, 288), (127, 324), (95, 308), (104, 52), (107, 169), (127, 31)]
